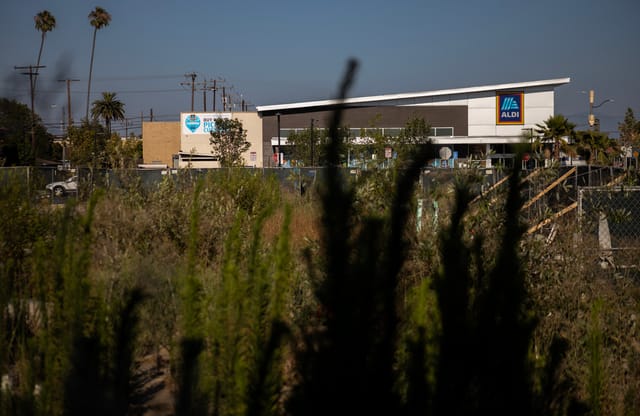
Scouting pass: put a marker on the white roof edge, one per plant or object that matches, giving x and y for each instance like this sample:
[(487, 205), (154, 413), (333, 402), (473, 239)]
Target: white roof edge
[(401, 96)]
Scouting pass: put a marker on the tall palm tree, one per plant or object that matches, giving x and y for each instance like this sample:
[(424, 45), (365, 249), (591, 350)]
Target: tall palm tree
[(555, 128), (108, 108), (45, 22), (98, 18)]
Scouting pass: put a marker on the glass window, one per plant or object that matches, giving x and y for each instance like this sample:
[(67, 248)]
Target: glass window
[(444, 131), (392, 131), (441, 131), (286, 132)]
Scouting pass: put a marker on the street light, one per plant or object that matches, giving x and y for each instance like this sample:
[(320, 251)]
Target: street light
[(278, 153), (608, 100), (592, 118)]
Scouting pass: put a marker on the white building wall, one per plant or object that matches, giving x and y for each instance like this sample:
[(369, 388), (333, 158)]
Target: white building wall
[(482, 114), (538, 106)]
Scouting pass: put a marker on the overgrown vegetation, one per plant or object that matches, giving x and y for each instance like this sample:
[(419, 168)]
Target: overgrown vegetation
[(341, 301)]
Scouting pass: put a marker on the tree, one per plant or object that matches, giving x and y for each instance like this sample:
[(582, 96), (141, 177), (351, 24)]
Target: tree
[(596, 146), (629, 129), (98, 18), (108, 108), (229, 141), (123, 153), (86, 141), (308, 147), (555, 128), (15, 127), (45, 22), (415, 133)]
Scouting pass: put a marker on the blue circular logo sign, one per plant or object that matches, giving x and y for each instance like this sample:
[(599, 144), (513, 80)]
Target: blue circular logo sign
[(192, 122)]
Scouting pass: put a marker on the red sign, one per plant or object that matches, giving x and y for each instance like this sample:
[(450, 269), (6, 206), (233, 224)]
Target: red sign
[(275, 158)]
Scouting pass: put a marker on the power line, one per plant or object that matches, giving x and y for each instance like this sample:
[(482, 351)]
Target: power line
[(139, 77), (122, 92)]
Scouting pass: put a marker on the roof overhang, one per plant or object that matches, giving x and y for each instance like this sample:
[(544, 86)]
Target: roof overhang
[(405, 96)]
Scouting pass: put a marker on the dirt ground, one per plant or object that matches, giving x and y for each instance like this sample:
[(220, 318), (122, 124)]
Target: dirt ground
[(153, 387)]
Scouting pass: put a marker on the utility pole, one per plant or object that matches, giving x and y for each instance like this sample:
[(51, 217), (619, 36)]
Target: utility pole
[(224, 99), (312, 143), (207, 87), (33, 72), (215, 90), (204, 95), (192, 84), (278, 122), (594, 123), (69, 81), (214, 94), (592, 119)]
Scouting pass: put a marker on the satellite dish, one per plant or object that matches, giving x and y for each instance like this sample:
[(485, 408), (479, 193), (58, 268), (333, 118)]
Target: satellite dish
[(445, 153)]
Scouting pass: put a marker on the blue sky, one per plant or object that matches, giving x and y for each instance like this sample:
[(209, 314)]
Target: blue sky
[(284, 51)]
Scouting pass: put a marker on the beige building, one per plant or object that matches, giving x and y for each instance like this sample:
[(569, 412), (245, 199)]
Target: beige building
[(160, 141), (185, 143)]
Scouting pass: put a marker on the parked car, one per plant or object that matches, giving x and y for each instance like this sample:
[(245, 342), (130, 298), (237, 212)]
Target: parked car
[(63, 187)]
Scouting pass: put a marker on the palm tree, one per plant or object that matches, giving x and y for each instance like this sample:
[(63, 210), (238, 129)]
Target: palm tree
[(596, 146), (555, 128), (98, 18), (45, 22), (108, 108)]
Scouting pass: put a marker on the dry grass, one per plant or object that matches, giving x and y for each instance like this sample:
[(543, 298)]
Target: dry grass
[(305, 222)]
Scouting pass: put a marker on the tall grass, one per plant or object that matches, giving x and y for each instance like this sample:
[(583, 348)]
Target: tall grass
[(233, 323), (265, 312), (73, 353)]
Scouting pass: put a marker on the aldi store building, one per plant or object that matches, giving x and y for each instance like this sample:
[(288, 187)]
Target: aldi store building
[(485, 121)]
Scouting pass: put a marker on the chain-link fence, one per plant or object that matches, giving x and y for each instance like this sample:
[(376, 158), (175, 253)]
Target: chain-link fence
[(610, 223)]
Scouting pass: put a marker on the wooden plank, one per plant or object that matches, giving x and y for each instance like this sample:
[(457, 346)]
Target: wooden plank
[(548, 188), (555, 216), (530, 176)]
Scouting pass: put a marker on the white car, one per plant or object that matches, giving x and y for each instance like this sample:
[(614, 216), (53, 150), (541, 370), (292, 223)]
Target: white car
[(63, 187)]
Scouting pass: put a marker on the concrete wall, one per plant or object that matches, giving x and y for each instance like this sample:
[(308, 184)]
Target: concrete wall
[(253, 125), (160, 141)]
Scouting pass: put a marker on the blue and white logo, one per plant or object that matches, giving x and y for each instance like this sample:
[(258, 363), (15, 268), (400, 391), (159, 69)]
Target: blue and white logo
[(192, 122), (508, 104), (509, 108)]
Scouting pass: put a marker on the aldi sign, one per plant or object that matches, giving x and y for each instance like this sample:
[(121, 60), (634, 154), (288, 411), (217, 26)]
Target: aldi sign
[(510, 108)]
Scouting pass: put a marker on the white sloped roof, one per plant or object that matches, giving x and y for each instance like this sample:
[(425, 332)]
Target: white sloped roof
[(413, 95)]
